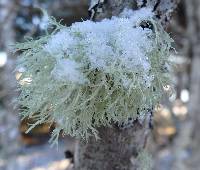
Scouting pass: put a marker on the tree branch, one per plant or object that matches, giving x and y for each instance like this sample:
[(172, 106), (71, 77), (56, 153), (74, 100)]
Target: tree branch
[(107, 8)]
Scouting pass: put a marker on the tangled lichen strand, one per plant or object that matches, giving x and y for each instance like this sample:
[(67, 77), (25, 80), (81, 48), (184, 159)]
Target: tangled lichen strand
[(93, 74)]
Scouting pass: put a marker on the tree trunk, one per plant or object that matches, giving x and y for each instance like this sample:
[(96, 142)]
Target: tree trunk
[(118, 149), (193, 16), (194, 37)]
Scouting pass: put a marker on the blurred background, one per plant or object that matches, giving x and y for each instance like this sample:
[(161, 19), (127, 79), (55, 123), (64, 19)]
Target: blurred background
[(175, 140)]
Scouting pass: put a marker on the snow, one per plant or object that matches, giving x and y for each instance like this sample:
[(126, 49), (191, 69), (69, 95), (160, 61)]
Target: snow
[(67, 69), (117, 40), (59, 43), (138, 15)]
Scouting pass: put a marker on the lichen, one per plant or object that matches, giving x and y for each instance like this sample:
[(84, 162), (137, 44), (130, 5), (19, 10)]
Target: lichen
[(93, 74), (144, 160)]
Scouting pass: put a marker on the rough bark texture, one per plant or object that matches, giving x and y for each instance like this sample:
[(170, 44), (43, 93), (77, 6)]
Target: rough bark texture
[(118, 149), (108, 8)]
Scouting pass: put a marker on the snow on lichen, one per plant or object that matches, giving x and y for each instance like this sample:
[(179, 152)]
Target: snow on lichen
[(92, 74), (68, 70), (105, 43)]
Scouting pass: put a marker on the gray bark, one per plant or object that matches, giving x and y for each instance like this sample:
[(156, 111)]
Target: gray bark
[(193, 15), (118, 149)]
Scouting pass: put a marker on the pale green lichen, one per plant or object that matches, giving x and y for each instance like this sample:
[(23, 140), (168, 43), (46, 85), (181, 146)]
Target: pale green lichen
[(79, 107), (144, 160)]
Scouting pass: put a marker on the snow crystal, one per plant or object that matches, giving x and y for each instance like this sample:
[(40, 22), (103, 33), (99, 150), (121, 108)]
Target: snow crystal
[(117, 40), (59, 43), (67, 69), (138, 16)]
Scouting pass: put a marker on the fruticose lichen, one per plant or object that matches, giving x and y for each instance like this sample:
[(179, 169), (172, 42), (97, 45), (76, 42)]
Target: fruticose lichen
[(144, 160), (94, 74)]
